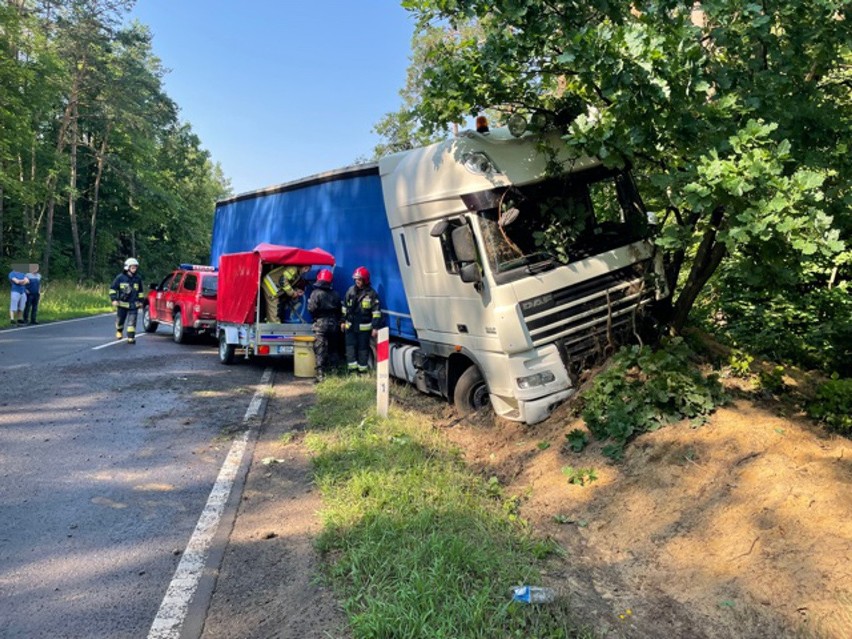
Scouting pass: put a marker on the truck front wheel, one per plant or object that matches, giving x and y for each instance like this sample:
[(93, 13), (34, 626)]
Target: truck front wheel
[(226, 351), (471, 392)]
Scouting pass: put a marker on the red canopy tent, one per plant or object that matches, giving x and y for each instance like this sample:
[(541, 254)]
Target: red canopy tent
[(239, 277)]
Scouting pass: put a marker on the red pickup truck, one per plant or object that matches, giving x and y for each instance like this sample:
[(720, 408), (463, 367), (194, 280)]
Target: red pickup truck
[(185, 300)]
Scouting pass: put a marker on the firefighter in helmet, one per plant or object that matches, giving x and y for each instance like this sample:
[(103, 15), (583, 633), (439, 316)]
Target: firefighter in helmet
[(324, 306), (362, 319), (280, 289), (126, 295)]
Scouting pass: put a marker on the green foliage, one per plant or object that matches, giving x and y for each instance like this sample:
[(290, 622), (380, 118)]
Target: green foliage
[(417, 546), (740, 363), (772, 380), (577, 440), (94, 162), (580, 476), (736, 126), (833, 405), (643, 390)]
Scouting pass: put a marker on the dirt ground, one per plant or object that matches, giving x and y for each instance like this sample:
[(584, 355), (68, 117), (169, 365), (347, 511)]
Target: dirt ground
[(740, 528)]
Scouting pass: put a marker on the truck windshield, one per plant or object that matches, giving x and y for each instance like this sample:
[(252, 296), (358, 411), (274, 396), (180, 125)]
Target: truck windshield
[(536, 227)]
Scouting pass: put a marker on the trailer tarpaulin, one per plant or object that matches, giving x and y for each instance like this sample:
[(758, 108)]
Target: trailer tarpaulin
[(239, 277)]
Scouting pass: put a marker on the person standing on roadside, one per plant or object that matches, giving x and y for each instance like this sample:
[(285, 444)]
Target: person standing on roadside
[(33, 295), (18, 300), (126, 294), (362, 317), (324, 306)]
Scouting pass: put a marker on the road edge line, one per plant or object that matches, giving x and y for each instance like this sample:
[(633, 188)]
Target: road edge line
[(201, 558)]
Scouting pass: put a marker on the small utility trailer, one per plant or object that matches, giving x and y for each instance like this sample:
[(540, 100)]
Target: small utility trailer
[(240, 310)]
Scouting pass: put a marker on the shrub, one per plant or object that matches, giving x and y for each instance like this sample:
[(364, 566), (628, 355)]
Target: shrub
[(643, 390), (833, 405)]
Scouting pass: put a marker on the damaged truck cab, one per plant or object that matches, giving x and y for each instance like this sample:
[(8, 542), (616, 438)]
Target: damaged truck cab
[(522, 266)]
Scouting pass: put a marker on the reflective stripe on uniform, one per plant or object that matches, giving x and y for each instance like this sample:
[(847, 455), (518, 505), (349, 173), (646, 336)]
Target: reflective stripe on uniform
[(270, 286)]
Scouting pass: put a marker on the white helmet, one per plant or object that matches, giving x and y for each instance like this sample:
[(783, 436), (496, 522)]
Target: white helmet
[(130, 261)]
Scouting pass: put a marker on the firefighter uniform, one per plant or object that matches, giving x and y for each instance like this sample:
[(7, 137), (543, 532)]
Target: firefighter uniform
[(324, 306), (127, 294), (279, 289), (361, 316)]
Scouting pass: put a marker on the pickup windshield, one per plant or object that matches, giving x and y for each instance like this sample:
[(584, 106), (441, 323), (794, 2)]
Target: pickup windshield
[(537, 227)]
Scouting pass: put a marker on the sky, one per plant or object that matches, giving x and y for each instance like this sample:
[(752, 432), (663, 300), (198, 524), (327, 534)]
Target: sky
[(281, 89)]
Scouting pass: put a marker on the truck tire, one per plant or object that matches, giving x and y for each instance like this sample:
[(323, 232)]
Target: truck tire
[(226, 351), (178, 331), (471, 392), (148, 324)]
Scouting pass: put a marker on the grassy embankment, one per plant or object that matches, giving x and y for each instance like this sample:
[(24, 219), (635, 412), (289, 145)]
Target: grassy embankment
[(416, 544), (61, 300)]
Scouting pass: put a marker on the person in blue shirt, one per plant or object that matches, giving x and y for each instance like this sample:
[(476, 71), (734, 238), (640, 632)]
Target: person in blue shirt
[(33, 295), (19, 296)]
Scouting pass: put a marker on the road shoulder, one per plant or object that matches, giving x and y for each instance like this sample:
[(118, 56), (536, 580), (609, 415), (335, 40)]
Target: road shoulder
[(268, 583)]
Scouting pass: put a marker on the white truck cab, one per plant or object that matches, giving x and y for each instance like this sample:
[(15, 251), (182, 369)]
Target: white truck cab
[(521, 266)]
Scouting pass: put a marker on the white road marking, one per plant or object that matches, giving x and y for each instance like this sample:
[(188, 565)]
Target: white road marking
[(26, 327), (173, 609), (116, 341)]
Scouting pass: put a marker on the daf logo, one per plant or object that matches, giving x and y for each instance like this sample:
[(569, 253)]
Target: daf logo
[(536, 302)]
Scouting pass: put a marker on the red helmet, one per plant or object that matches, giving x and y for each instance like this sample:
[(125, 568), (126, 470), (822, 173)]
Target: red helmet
[(362, 273), (324, 276)]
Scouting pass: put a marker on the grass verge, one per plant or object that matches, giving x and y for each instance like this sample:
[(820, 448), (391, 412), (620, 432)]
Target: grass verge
[(417, 545)]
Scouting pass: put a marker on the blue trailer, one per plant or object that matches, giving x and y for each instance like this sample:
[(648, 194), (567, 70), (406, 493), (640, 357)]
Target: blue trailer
[(342, 212)]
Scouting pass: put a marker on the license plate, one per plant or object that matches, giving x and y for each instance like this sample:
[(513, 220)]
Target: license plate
[(285, 349)]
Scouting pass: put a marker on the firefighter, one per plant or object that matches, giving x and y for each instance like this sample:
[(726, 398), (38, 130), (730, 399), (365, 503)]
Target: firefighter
[(361, 321), (324, 305), (126, 294), (280, 290)]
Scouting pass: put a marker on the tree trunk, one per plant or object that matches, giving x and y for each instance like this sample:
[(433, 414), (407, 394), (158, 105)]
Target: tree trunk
[(707, 260), (72, 196), (95, 198), (1, 218)]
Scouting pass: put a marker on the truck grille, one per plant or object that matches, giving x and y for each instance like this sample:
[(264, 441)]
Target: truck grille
[(589, 320)]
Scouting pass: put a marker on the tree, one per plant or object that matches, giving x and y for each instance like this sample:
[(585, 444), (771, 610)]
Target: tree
[(735, 115)]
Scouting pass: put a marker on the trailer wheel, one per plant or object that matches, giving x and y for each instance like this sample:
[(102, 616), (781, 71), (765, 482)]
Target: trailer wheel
[(226, 351), (178, 331), (471, 392), (148, 324)]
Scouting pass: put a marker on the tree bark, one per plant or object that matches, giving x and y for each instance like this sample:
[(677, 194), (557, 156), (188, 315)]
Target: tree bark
[(707, 260), (101, 153), (72, 195)]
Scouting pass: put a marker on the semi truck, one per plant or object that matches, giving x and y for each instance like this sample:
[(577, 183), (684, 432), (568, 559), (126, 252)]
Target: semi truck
[(505, 264)]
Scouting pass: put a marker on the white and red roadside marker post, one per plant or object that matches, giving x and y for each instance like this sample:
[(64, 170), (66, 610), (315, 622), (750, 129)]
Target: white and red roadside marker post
[(382, 372)]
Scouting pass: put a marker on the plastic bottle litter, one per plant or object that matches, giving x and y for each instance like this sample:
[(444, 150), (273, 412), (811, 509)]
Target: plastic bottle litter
[(533, 594)]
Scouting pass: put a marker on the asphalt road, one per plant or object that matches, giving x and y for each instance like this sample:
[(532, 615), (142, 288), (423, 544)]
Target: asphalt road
[(108, 452)]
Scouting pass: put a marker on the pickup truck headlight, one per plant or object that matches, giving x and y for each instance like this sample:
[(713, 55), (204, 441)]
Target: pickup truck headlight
[(539, 379)]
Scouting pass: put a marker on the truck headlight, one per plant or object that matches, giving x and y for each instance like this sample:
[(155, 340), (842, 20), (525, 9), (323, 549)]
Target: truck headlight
[(479, 163), (539, 379)]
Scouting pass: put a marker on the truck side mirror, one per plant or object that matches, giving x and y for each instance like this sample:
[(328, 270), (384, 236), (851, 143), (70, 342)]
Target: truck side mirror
[(470, 274), (463, 245)]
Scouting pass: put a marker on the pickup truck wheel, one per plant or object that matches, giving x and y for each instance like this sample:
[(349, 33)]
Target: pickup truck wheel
[(178, 331), (147, 323), (226, 351), (471, 392)]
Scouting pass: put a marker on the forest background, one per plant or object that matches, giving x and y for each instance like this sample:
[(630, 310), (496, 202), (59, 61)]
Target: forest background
[(735, 118)]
